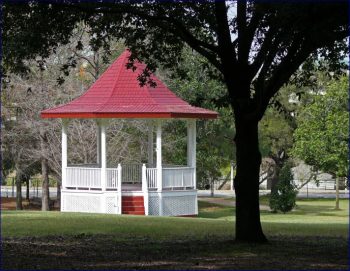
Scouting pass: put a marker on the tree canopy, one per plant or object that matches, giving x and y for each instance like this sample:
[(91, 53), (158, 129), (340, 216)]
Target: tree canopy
[(254, 46), (321, 138)]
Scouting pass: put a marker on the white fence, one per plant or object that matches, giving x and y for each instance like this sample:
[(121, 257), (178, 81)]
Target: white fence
[(151, 177), (90, 178), (112, 178), (178, 177), (83, 177)]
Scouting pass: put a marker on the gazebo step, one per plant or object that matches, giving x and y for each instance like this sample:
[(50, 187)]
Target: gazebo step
[(133, 205), (134, 213), (133, 208), (132, 199)]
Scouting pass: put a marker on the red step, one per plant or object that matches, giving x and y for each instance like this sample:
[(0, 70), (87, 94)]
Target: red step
[(133, 205), (134, 208), (132, 198), (133, 213)]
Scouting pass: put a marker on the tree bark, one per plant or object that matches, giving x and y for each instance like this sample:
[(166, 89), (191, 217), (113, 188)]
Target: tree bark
[(45, 186), (45, 175), (58, 196), (19, 205), (27, 186), (248, 226), (337, 193)]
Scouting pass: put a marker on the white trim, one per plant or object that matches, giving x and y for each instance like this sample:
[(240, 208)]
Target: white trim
[(170, 193)]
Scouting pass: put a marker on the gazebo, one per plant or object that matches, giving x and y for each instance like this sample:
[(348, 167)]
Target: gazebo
[(155, 189)]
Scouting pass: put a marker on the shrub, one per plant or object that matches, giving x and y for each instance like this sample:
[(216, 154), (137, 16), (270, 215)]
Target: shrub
[(284, 195)]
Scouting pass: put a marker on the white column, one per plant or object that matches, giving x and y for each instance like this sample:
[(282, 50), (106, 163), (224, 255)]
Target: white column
[(159, 156), (189, 143), (159, 166), (119, 189), (103, 124), (98, 160), (191, 147), (145, 188), (64, 152), (194, 151), (150, 145)]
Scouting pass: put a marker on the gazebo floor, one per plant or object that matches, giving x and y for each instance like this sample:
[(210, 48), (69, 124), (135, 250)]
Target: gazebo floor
[(132, 187)]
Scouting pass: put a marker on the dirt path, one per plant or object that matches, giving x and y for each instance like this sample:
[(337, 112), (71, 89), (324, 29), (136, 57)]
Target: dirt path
[(91, 252), (30, 205)]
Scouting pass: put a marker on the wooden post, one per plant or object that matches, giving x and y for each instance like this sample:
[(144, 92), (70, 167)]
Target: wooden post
[(64, 151), (150, 145)]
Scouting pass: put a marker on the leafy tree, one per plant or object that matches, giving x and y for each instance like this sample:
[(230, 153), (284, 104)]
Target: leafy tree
[(322, 135), (214, 138), (276, 138), (284, 196), (254, 46)]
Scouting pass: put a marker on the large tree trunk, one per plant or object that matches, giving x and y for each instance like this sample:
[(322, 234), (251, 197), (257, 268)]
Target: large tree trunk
[(19, 205), (45, 186), (248, 226), (45, 174)]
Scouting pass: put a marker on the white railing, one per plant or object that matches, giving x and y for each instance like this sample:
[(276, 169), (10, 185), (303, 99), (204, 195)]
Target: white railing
[(90, 178), (178, 177), (112, 178), (151, 177), (83, 177), (131, 173)]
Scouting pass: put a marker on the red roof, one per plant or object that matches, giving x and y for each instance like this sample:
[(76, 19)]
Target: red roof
[(118, 94)]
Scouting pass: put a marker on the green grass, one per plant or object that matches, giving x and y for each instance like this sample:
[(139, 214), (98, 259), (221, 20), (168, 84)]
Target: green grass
[(311, 237), (312, 217), (24, 223)]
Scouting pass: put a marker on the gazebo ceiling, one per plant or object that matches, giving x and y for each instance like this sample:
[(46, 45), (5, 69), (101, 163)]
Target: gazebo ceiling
[(118, 94)]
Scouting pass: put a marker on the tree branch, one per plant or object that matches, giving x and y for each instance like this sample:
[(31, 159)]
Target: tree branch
[(205, 49), (243, 50), (226, 52)]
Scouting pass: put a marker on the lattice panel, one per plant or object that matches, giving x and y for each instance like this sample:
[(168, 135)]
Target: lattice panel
[(112, 205), (179, 205), (153, 207), (79, 203)]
